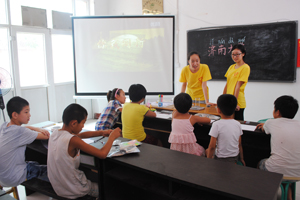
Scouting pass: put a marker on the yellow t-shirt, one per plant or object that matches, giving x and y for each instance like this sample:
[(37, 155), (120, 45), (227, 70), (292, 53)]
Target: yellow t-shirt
[(233, 76), (132, 121), (194, 81)]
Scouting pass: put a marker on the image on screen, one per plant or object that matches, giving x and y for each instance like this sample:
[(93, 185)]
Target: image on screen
[(116, 52)]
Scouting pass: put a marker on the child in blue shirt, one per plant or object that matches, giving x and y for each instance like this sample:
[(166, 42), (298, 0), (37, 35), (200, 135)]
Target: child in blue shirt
[(13, 140), (111, 112)]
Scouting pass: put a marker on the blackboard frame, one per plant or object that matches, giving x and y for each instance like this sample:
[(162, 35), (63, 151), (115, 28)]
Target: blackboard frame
[(270, 48)]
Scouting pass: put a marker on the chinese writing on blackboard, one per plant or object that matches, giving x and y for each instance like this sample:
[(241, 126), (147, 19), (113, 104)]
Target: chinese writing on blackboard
[(223, 48)]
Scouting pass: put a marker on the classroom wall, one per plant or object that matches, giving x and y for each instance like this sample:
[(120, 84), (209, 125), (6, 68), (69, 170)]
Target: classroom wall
[(192, 14)]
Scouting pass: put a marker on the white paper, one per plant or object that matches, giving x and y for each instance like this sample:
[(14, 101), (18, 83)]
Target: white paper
[(86, 159), (163, 115), (88, 141), (248, 127)]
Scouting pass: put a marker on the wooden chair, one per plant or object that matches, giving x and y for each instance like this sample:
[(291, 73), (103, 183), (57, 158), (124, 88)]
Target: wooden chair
[(288, 181), (12, 190)]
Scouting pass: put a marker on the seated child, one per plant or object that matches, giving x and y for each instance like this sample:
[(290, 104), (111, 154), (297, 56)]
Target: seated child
[(285, 137), (133, 115), (182, 137), (110, 114), (64, 154), (226, 141), (13, 140)]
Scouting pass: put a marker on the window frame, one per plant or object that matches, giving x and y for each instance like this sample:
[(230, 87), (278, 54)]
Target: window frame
[(61, 32)]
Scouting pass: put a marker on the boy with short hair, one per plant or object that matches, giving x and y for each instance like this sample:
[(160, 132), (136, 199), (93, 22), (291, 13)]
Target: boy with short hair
[(64, 154), (133, 115), (226, 133), (13, 140), (285, 137)]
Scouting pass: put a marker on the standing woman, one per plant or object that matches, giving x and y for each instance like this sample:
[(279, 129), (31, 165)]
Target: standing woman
[(237, 77), (194, 79)]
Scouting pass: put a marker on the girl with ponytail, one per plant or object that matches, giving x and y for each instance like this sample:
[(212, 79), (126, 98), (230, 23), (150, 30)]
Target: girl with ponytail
[(111, 112)]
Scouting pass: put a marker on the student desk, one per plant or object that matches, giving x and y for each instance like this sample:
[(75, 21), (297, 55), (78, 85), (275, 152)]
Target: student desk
[(161, 173), (256, 144), (176, 175), (207, 110)]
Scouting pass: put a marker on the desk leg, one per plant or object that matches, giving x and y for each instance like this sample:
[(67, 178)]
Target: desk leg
[(101, 179), (173, 187), (29, 191)]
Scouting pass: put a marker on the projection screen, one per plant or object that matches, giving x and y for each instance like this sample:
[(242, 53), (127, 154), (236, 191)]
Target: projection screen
[(117, 51)]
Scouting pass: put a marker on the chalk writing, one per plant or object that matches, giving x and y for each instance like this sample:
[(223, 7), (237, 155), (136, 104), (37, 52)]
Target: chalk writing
[(229, 48), (241, 41), (211, 50), (223, 49), (222, 41)]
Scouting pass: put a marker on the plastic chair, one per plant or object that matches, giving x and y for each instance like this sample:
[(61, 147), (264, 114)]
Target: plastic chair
[(239, 163), (263, 120), (287, 181), (12, 190)]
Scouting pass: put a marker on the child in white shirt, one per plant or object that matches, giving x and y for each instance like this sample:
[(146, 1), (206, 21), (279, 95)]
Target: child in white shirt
[(64, 154), (226, 141)]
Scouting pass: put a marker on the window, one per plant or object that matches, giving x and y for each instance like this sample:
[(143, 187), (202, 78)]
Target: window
[(4, 50), (31, 57), (62, 51), (81, 7), (3, 15)]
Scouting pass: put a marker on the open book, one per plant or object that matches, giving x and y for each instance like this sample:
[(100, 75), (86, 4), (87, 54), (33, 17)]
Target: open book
[(124, 148)]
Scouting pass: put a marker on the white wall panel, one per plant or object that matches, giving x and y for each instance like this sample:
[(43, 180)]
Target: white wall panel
[(64, 97), (38, 102)]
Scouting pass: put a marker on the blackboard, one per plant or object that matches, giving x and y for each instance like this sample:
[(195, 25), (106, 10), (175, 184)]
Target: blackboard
[(270, 49)]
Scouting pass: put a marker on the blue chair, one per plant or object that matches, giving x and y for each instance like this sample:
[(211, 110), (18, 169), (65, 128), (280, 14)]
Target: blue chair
[(263, 120), (287, 181), (239, 163)]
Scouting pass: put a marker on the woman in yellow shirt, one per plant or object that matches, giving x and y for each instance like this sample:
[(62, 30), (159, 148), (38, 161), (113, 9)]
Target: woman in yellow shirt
[(237, 78), (194, 79)]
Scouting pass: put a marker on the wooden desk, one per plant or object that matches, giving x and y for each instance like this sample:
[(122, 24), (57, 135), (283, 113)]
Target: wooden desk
[(161, 173), (256, 144), (175, 175), (208, 110), (166, 174)]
